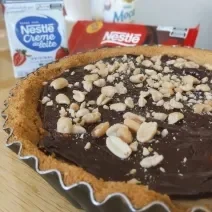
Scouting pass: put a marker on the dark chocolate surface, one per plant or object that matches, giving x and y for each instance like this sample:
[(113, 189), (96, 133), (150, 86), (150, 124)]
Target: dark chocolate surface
[(190, 139)]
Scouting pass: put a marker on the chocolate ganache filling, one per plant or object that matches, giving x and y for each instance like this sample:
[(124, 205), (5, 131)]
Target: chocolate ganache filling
[(158, 111)]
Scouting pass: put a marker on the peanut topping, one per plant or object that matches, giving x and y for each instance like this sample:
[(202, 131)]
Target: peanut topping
[(100, 83), (187, 87), (91, 78), (139, 58), (147, 131), (62, 99), (83, 105), (168, 85), (160, 103), (122, 68), (145, 151), (100, 130), (87, 85), (147, 63), (59, 83), (134, 181), (133, 125), (167, 92), (100, 65), (63, 112), (175, 117), (191, 64), (176, 104), (95, 71), (208, 102), (112, 131), (129, 102), (102, 100), (142, 102), (159, 116), (120, 88), (78, 96), (203, 87), (150, 72), (118, 107), (208, 66), (151, 161), (136, 71), (90, 67), (103, 72), (109, 91), (170, 62), (134, 146), (72, 113), (156, 95), (134, 117), (118, 147), (82, 112), (132, 171), (64, 125), (110, 78), (74, 106), (164, 133), (87, 146), (50, 103), (200, 108), (167, 106), (156, 58), (190, 80), (178, 96), (91, 118), (77, 129), (137, 78), (45, 100), (144, 94), (125, 135), (204, 80), (158, 67)]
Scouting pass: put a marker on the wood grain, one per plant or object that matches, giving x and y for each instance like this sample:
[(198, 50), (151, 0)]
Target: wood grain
[(22, 189)]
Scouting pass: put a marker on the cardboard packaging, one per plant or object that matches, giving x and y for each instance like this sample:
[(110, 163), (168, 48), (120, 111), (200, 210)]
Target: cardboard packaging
[(36, 33)]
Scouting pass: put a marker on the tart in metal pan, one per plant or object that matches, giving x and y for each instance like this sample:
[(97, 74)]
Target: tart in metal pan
[(145, 98)]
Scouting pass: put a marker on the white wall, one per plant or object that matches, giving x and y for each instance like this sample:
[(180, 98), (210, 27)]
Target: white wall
[(179, 13)]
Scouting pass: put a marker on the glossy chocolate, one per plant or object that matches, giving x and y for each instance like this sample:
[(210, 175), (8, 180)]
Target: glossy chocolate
[(190, 139)]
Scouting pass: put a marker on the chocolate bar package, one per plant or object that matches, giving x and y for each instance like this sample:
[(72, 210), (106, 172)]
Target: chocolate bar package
[(87, 35)]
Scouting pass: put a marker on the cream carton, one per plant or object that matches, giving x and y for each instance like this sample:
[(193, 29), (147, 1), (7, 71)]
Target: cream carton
[(36, 33)]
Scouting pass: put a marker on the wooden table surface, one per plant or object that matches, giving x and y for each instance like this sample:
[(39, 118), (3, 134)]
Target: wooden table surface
[(21, 189)]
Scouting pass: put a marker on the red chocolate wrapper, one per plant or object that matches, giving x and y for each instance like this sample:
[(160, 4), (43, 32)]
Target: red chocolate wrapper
[(87, 35)]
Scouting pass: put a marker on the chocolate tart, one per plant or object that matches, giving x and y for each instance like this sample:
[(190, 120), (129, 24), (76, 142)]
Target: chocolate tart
[(131, 120)]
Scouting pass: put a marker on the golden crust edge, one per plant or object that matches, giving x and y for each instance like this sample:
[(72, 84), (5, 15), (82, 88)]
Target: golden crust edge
[(27, 125)]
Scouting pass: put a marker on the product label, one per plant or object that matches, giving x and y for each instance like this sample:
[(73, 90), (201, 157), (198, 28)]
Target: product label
[(121, 38), (38, 33), (124, 16), (179, 33), (119, 11), (174, 32), (88, 35)]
